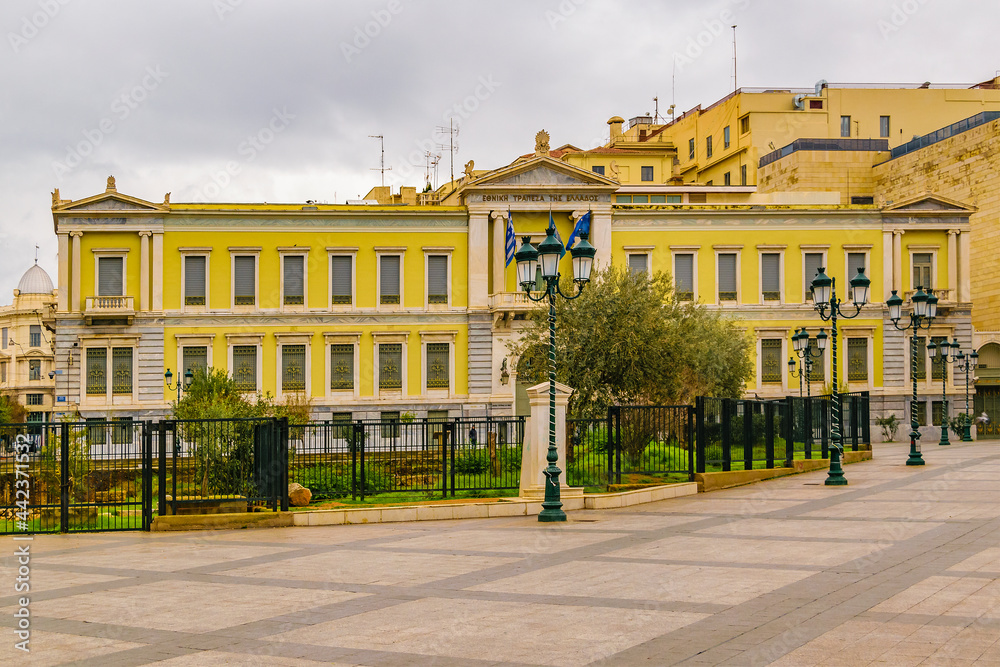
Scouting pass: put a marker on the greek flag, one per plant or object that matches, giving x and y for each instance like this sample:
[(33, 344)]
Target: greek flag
[(510, 241), (558, 238), (582, 227)]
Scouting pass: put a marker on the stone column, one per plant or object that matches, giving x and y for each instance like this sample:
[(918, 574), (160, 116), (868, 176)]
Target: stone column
[(897, 261), (499, 251), (887, 265), (536, 445), (158, 271), (953, 264), (478, 260), (63, 280), (75, 298), (964, 277), (144, 270)]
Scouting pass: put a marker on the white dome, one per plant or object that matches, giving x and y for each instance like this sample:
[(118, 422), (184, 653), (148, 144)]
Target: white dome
[(35, 281)]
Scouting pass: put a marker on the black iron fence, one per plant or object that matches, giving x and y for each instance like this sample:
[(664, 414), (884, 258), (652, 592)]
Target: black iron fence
[(368, 457)]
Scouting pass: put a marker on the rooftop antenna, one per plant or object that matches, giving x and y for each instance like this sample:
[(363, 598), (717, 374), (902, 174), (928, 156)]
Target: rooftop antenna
[(381, 168), (452, 132), (673, 85), (735, 87), (656, 109)]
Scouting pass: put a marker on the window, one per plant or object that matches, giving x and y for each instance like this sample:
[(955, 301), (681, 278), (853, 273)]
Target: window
[(637, 263), (725, 137), (818, 368), (920, 412), (690, 149), (920, 368), (3, 338), (815, 104), (96, 435), (743, 174), (293, 280), (811, 267), (727, 179), (922, 265), (390, 366), (35, 369), (657, 199), (110, 276), (936, 361), (97, 371), (771, 362), (438, 376), (342, 421), (293, 367), (244, 280), (194, 280), (623, 199), (389, 279), (390, 424), (34, 335), (121, 431), (937, 412), (195, 358), (121, 369), (342, 270), (770, 276), (437, 279), (342, 367), (863, 201), (245, 367), (883, 126), (708, 146), (34, 399), (697, 198), (857, 359), (845, 126), (727, 276), (856, 261), (684, 276), (745, 124), (640, 199), (646, 173), (674, 199), (3, 371), (598, 169)]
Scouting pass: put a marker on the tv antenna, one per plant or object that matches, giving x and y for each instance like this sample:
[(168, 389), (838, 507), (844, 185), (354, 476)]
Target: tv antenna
[(735, 88), (452, 133), (381, 168), (430, 167), (656, 109)]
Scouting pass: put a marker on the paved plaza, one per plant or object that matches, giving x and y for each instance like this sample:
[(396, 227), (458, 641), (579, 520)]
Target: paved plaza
[(899, 568)]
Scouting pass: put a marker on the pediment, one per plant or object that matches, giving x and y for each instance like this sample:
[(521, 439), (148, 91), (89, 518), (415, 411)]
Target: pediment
[(112, 202), (541, 171), (928, 203)]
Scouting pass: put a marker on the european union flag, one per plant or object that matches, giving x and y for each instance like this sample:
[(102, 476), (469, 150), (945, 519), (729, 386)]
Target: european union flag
[(582, 227)]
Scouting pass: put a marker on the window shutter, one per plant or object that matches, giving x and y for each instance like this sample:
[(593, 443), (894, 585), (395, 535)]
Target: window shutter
[(243, 274), (389, 278), (342, 366), (341, 278), (109, 276), (684, 276), (294, 279), (437, 279), (770, 265), (727, 277), (855, 261), (813, 262), (194, 281), (195, 358), (638, 263), (293, 367)]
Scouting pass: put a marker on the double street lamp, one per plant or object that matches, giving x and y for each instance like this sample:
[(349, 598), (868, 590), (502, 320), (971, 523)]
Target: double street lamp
[(825, 298), (940, 352), (966, 363), (923, 312), (548, 254), (188, 378), (804, 351)]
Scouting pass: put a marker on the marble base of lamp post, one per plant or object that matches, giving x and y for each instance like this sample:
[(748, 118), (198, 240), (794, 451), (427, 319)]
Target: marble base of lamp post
[(536, 446)]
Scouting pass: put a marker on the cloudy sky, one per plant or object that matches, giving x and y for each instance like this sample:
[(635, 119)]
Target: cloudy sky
[(267, 100)]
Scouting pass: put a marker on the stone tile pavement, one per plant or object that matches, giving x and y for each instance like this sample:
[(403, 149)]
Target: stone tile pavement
[(902, 567)]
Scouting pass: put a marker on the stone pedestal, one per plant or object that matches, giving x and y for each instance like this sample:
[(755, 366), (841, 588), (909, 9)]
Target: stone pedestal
[(536, 443)]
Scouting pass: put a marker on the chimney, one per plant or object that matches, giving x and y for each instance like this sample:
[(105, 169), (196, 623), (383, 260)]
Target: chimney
[(616, 123)]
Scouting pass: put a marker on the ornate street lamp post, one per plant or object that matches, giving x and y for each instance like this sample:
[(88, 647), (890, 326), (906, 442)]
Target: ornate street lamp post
[(528, 257), (800, 344), (923, 313), (188, 377), (966, 364), (941, 352), (825, 297)]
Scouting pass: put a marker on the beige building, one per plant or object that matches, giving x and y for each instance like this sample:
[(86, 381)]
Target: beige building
[(26, 342)]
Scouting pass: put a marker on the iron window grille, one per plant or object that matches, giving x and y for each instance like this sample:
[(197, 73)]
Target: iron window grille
[(937, 411), (920, 411), (97, 371), (390, 424), (245, 367), (293, 367), (390, 364), (818, 373), (96, 434), (437, 365), (936, 362), (121, 431), (121, 368), (195, 359), (342, 367), (342, 422), (771, 363), (920, 369), (857, 359)]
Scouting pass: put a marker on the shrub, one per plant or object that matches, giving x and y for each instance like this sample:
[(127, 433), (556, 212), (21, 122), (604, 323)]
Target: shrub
[(889, 425)]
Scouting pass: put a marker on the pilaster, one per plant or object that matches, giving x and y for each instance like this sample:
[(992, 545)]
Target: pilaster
[(144, 270), (75, 298), (479, 260)]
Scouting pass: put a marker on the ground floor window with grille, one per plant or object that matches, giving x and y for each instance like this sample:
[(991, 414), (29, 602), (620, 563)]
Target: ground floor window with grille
[(293, 368), (438, 376), (920, 368), (920, 410), (342, 367), (857, 359), (195, 359), (771, 362), (937, 410), (390, 366), (96, 434), (342, 424), (245, 367), (121, 371), (121, 431), (390, 424), (121, 362), (818, 369)]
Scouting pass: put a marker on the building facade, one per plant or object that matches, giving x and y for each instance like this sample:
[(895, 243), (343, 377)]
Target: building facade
[(27, 368)]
